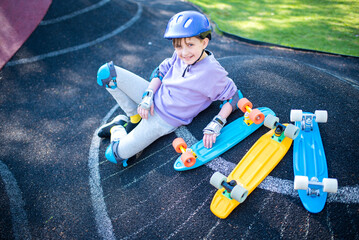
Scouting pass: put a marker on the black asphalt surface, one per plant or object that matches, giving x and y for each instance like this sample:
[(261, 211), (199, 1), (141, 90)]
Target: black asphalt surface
[(56, 184)]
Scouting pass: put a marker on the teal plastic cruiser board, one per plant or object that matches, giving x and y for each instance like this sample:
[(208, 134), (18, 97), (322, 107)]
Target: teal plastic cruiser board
[(309, 162), (231, 134)]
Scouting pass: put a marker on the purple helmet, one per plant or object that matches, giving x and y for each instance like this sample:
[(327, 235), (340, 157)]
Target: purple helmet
[(188, 24)]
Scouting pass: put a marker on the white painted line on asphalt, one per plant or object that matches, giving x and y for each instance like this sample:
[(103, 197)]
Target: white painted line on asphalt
[(81, 46), (183, 132), (285, 221), (307, 224), (74, 14), (355, 84), (212, 229), (221, 165), (345, 195), (20, 225), (103, 222), (330, 224), (353, 223)]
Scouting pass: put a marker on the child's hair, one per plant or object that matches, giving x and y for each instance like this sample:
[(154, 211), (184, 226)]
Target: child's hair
[(177, 42)]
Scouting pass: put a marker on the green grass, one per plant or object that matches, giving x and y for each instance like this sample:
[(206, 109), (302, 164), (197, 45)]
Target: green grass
[(323, 25)]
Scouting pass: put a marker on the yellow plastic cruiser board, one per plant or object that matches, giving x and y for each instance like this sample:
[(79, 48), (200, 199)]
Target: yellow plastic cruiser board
[(259, 161)]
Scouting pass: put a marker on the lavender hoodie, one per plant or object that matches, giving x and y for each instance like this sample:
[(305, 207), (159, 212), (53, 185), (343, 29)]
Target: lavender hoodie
[(179, 99)]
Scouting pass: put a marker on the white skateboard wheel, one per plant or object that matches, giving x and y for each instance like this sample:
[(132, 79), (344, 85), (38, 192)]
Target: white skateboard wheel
[(217, 179), (330, 185), (301, 182), (321, 116), (239, 193), (270, 121), (291, 131), (296, 115)]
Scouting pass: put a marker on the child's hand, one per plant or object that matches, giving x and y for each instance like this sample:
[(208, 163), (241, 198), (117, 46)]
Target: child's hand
[(212, 130), (144, 112), (146, 104), (209, 140)]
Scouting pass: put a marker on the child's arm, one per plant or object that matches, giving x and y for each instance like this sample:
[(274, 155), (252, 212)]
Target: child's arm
[(155, 84), (152, 88), (214, 127)]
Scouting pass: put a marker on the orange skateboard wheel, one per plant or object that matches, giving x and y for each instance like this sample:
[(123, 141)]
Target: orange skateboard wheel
[(256, 116), (243, 103), (188, 159), (178, 143)]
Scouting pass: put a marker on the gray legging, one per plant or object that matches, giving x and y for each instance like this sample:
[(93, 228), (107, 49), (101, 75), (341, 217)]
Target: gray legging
[(128, 95)]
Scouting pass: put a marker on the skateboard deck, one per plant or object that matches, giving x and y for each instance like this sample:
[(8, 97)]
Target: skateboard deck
[(254, 167), (309, 160), (231, 134)]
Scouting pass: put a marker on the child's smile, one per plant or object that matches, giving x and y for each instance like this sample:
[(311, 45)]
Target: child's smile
[(188, 59), (189, 50)]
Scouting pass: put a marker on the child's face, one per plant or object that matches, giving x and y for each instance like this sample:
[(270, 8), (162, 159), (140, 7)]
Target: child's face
[(190, 49)]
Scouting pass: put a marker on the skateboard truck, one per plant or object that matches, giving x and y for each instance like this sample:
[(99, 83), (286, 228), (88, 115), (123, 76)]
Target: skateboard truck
[(281, 131), (307, 123), (229, 186), (307, 118), (314, 190), (313, 186), (278, 132), (250, 115), (188, 157), (233, 190)]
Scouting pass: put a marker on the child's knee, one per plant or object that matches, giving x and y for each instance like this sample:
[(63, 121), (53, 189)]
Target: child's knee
[(106, 76)]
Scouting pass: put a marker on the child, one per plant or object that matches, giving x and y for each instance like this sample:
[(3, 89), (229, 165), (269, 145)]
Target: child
[(181, 87)]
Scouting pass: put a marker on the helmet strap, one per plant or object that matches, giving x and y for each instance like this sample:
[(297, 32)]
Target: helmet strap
[(187, 68), (198, 58)]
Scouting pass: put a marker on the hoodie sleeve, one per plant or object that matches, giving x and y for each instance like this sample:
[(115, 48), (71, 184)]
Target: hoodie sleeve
[(220, 86), (228, 91)]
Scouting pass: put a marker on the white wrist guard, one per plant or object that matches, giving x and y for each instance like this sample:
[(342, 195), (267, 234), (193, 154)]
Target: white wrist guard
[(215, 126), (147, 99)]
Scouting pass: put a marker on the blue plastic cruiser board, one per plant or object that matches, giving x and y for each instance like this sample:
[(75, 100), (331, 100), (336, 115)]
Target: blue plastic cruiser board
[(231, 135), (309, 162)]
